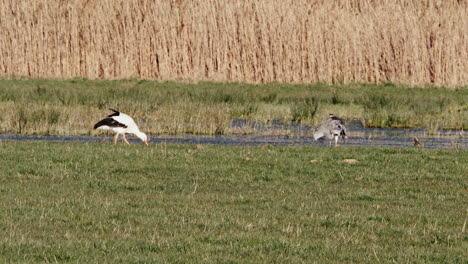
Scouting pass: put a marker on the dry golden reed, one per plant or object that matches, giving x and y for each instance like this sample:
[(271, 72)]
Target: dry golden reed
[(413, 42)]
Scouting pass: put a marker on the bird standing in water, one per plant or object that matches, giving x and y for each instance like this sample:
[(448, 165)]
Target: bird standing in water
[(121, 123), (332, 128)]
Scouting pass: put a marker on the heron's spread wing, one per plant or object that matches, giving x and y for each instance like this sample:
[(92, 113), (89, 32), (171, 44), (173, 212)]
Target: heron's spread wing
[(330, 128), (335, 127), (318, 134), (343, 131), (337, 119)]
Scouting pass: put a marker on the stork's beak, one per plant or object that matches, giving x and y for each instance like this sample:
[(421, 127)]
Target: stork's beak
[(145, 142)]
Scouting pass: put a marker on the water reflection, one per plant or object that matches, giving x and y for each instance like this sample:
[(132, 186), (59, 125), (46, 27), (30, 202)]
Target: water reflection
[(358, 136)]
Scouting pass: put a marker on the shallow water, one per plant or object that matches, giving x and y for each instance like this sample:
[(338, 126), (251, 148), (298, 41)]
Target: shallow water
[(357, 136)]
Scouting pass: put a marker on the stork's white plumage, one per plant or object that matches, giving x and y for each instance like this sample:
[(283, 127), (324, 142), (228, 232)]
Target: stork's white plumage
[(121, 123)]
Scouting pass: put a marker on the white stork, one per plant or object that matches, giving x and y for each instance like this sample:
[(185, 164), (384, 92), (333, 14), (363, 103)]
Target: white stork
[(332, 128), (121, 123)]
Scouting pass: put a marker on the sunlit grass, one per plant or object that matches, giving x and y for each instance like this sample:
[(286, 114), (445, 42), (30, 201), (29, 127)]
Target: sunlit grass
[(71, 107), (100, 203)]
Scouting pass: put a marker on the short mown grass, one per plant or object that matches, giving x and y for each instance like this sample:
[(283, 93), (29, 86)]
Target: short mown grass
[(72, 107), (100, 203)]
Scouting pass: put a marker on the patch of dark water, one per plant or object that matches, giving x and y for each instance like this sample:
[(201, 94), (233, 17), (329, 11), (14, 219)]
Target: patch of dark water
[(356, 138)]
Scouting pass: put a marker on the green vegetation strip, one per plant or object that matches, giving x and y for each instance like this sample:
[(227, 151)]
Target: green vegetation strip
[(72, 107), (100, 203)]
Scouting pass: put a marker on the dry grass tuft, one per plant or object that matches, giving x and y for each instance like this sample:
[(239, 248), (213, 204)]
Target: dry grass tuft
[(414, 42)]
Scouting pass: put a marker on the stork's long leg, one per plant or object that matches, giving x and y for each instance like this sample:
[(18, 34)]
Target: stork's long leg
[(336, 140), (116, 137), (125, 139)]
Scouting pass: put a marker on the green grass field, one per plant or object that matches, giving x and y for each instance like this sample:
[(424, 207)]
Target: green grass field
[(100, 203), (72, 107)]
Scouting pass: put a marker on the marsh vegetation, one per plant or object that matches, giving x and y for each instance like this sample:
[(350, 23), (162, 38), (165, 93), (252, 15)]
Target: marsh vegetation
[(71, 107)]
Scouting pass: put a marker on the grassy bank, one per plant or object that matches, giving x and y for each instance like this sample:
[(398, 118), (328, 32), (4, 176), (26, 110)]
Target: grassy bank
[(215, 204), (71, 107)]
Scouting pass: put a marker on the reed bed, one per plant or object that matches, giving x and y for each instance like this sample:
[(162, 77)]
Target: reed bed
[(413, 42)]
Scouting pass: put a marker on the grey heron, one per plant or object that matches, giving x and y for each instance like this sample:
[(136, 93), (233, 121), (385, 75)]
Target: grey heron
[(332, 128)]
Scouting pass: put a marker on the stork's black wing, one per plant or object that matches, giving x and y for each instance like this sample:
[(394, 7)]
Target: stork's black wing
[(116, 113), (110, 122)]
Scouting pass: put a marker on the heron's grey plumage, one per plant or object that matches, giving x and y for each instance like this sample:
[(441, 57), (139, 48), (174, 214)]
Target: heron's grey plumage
[(332, 128)]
